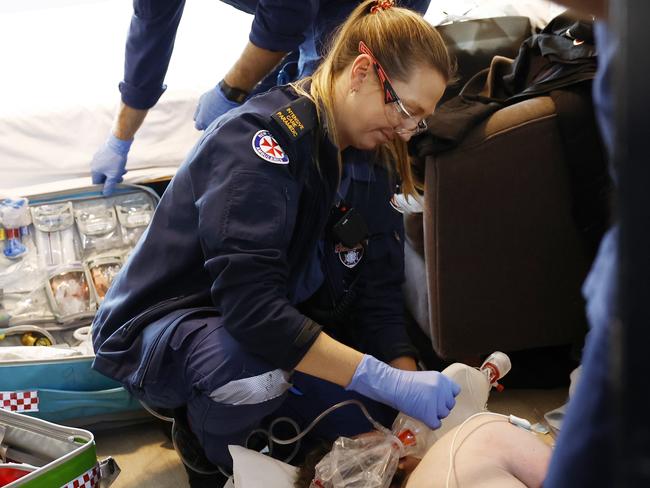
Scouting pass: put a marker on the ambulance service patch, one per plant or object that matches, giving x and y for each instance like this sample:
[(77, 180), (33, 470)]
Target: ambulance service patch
[(349, 257), (267, 148)]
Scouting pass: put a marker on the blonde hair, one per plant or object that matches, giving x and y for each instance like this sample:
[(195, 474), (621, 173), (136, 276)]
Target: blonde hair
[(401, 40)]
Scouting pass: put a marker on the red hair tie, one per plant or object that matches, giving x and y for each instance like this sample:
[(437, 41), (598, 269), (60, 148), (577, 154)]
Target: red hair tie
[(381, 5)]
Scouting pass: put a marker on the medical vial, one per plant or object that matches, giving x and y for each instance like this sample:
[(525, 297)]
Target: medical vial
[(496, 366), (413, 434)]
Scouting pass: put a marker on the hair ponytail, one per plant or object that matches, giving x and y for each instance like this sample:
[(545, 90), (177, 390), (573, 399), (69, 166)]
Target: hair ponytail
[(401, 40)]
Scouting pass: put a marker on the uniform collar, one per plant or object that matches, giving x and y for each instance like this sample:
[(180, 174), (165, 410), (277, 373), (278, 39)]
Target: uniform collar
[(359, 164)]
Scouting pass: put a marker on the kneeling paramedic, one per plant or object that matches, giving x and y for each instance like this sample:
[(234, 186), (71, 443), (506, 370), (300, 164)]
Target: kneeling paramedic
[(270, 261)]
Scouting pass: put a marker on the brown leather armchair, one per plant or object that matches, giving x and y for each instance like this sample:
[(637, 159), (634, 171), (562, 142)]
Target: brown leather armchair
[(496, 260)]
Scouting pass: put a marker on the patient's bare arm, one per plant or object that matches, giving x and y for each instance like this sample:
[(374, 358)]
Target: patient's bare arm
[(488, 453)]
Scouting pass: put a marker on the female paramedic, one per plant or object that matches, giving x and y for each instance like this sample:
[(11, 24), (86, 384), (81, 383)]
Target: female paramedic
[(270, 276)]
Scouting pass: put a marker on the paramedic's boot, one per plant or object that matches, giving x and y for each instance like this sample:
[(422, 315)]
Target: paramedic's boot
[(200, 470), (197, 480)]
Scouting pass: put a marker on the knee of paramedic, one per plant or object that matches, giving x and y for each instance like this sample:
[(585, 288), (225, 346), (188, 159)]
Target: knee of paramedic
[(227, 391)]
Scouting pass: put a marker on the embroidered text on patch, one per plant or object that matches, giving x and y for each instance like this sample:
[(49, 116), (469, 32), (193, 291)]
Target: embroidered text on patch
[(291, 121)]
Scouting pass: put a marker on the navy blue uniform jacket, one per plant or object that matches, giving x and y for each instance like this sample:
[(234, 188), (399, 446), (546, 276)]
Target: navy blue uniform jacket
[(279, 25), (236, 231)]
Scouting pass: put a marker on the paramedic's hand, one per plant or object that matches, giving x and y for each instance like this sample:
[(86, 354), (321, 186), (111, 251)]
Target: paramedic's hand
[(212, 104), (108, 164), (425, 395)]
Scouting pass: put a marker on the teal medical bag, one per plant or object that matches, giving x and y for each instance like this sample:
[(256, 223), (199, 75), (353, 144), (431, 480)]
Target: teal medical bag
[(59, 253)]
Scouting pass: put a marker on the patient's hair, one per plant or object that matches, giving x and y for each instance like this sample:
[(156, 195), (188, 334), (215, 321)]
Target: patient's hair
[(401, 40), (307, 469)]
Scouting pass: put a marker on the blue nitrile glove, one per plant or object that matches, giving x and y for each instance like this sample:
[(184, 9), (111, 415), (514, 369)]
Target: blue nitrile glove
[(212, 104), (108, 164), (424, 395), (288, 73)]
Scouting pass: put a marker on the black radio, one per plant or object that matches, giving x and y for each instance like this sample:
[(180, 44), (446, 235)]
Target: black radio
[(349, 228)]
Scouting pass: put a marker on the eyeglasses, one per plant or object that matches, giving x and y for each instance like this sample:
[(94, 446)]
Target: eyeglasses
[(395, 110)]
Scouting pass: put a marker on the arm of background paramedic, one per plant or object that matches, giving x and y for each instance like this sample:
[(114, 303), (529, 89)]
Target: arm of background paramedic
[(149, 47), (148, 50), (127, 122), (253, 65), (278, 28), (270, 39), (108, 165)]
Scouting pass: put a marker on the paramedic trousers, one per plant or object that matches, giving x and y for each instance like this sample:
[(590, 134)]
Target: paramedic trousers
[(228, 392)]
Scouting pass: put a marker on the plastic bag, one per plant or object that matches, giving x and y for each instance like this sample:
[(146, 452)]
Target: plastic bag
[(54, 234), (15, 219), (134, 214), (97, 227), (69, 294), (32, 306), (367, 461), (102, 271)]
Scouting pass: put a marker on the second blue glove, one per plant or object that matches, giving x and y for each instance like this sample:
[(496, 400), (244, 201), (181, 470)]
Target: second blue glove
[(212, 105), (109, 162), (428, 396)]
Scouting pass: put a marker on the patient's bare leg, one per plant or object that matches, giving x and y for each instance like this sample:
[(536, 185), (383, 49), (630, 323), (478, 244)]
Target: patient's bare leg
[(488, 453)]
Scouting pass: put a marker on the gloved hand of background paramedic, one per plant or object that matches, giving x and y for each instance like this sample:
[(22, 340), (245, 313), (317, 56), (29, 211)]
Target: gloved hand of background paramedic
[(212, 105), (425, 395), (109, 162)]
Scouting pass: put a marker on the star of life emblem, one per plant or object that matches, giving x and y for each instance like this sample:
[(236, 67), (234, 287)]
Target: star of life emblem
[(267, 148), (349, 257)]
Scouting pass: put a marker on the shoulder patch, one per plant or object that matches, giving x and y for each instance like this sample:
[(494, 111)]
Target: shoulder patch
[(267, 148), (297, 118)]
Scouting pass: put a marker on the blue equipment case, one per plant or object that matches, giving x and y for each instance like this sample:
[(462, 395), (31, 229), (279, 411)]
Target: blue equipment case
[(75, 244)]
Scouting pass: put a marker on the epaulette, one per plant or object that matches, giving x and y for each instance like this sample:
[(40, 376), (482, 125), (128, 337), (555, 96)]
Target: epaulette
[(297, 118)]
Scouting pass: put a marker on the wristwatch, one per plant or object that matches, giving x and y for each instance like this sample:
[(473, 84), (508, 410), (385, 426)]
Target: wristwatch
[(231, 93)]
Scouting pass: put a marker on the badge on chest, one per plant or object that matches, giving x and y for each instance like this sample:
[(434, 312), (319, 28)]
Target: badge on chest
[(349, 257), (350, 233)]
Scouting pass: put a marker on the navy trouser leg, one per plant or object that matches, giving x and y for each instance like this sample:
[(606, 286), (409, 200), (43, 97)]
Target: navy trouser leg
[(232, 391), (226, 390)]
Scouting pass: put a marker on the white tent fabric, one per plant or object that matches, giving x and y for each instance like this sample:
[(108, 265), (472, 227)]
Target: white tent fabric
[(62, 61), (58, 91)]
